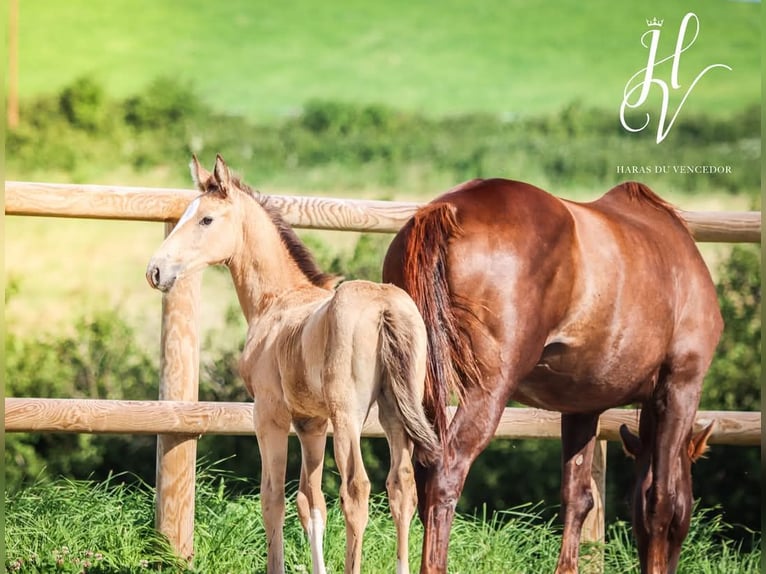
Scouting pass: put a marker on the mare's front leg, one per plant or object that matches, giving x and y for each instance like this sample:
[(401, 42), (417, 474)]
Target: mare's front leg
[(400, 483), (272, 425), (668, 501), (312, 509), (578, 441)]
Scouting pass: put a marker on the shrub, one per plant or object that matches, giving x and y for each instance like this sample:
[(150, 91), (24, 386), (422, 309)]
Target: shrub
[(99, 360), (84, 104), (164, 104), (732, 381)]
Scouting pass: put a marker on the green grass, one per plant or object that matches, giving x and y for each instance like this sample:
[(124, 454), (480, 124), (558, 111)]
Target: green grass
[(266, 59), (59, 526)]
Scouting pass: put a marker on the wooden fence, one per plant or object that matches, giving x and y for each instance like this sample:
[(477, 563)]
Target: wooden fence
[(178, 419)]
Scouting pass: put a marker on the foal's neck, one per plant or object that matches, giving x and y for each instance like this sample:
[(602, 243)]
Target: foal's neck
[(263, 268)]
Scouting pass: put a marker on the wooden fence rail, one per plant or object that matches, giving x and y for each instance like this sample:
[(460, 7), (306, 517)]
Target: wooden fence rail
[(151, 204), (199, 418), (178, 419)]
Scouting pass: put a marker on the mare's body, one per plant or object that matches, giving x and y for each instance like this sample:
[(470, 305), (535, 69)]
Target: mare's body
[(565, 306)]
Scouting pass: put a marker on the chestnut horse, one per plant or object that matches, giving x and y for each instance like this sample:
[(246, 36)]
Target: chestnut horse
[(312, 355), (565, 306)]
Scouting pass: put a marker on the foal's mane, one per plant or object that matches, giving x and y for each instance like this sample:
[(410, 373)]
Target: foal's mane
[(295, 247)]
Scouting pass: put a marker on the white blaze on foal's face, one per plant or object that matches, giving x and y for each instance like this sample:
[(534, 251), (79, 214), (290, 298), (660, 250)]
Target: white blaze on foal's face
[(191, 210), (208, 232)]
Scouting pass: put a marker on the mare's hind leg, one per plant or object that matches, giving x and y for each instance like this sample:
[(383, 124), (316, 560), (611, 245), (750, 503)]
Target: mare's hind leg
[(354, 487), (673, 407), (272, 424), (312, 509), (400, 483), (469, 433), (578, 441)]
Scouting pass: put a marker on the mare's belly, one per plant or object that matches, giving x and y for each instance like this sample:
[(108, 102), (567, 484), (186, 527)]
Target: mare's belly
[(572, 378), (578, 389)]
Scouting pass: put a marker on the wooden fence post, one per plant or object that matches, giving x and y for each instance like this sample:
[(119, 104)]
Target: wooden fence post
[(179, 381), (594, 527)]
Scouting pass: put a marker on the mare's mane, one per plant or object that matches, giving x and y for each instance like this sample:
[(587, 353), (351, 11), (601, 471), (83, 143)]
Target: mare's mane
[(641, 193), (295, 247)]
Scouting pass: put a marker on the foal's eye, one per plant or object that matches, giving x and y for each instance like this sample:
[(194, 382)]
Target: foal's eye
[(206, 221)]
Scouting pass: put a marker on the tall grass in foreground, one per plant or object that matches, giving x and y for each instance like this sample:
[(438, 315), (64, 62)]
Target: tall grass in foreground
[(107, 527)]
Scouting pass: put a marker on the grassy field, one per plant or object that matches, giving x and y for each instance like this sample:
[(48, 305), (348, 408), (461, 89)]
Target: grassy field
[(267, 59), (64, 525)]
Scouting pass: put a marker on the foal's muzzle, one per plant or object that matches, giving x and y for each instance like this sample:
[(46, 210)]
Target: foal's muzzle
[(156, 279)]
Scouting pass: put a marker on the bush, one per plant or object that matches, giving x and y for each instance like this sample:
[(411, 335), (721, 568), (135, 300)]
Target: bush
[(733, 379), (99, 360), (164, 104), (85, 105), (733, 383), (338, 118)]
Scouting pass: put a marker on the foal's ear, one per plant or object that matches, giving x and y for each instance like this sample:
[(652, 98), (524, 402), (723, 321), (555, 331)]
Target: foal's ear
[(631, 444), (222, 175), (199, 174), (698, 444)]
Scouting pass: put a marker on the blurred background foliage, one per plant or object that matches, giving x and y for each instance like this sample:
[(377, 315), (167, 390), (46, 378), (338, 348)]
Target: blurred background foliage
[(331, 145)]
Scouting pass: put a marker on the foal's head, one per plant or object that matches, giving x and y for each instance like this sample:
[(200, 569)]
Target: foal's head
[(214, 226), (208, 233)]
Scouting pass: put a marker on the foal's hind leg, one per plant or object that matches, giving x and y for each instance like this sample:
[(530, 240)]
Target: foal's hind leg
[(578, 441), (272, 424), (354, 487), (400, 483), (312, 510)]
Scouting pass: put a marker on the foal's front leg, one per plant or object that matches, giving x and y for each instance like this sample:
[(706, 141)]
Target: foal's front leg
[(272, 425)]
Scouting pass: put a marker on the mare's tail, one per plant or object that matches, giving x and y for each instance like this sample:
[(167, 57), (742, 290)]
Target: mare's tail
[(451, 364), (399, 353)]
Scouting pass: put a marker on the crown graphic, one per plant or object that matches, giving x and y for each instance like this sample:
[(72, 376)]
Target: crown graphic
[(654, 22)]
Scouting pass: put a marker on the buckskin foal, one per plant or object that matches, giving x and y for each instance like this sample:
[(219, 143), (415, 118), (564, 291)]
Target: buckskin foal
[(312, 355)]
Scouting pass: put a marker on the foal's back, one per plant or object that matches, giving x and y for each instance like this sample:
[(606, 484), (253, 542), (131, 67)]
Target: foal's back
[(325, 345)]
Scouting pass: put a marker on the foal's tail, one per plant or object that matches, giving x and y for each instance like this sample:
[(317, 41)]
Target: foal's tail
[(398, 353), (451, 366)]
